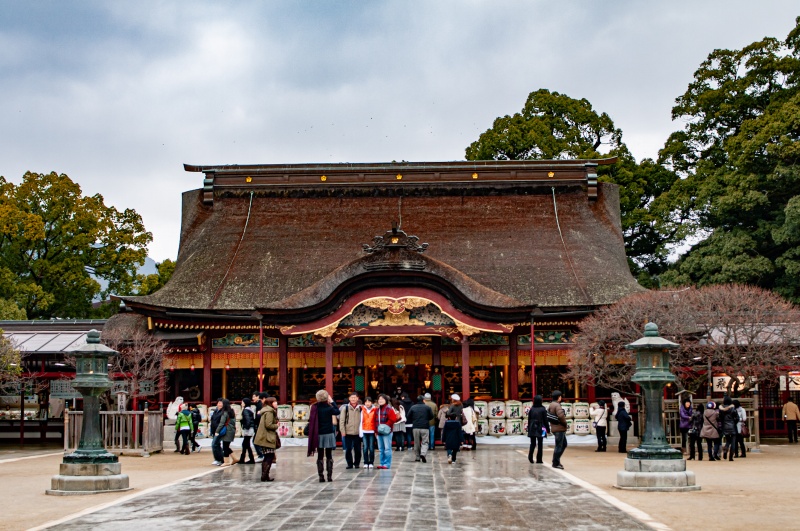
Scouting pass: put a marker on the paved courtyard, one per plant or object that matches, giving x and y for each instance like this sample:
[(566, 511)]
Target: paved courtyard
[(495, 489)]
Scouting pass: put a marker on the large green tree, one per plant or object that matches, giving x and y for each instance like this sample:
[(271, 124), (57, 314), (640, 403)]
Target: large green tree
[(739, 153), (55, 242), (556, 126)]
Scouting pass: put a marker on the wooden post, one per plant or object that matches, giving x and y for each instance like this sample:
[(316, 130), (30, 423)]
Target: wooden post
[(225, 383), (283, 368), (513, 362), (329, 365), (22, 416), (464, 368)]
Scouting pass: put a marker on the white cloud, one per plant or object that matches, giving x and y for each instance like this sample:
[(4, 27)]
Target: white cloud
[(120, 95)]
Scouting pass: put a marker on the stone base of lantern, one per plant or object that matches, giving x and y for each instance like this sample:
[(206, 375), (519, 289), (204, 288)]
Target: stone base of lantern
[(87, 478), (657, 475)]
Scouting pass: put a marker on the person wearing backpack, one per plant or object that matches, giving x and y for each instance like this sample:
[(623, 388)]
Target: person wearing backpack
[(537, 421), (196, 419), (623, 425)]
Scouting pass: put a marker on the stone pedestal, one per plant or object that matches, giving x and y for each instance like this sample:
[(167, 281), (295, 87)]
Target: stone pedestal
[(88, 478), (664, 475)]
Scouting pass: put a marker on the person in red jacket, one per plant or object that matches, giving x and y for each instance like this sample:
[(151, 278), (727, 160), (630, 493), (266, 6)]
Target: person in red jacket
[(386, 419)]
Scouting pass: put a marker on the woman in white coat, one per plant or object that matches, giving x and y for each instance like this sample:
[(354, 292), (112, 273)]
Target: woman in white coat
[(469, 429), (599, 416)]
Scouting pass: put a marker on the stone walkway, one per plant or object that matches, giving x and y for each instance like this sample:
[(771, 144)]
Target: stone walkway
[(495, 489)]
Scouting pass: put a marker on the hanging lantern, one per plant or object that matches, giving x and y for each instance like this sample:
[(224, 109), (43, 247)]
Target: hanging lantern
[(305, 365), (227, 366), (191, 367), (456, 365), (491, 364)]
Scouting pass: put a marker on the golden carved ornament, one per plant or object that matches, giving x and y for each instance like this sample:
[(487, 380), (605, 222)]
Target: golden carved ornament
[(328, 331), (397, 306), (397, 319), (466, 329)]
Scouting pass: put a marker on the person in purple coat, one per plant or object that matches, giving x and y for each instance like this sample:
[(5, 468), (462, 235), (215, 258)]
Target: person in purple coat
[(685, 412)]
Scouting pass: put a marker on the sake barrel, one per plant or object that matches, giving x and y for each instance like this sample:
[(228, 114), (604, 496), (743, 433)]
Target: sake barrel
[(497, 427), (497, 410), (298, 426), (301, 412), (285, 428), (285, 412), (525, 425), (570, 426), (567, 409), (483, 428), (237, 408), (481, 408), (513, 409), (580, 410), (526, 408), (203, 409), (582, 426), (203, 427), (514, 426), (238, 428)]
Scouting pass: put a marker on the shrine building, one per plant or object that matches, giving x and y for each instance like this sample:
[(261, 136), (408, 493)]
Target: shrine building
[(467, 277)]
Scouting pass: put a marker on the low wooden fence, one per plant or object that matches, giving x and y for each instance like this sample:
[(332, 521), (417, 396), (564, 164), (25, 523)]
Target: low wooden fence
[(129, 432), (672, 421)]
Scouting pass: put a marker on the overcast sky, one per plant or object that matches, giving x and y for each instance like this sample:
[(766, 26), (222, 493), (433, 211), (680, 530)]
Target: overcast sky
[(118, 95)]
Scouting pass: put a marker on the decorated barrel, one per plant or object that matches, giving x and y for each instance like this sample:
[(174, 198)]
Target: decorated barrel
[(483, 428), (526, 408), (514, 426), (300, 412), (203, 427), (203, 409), (497, 427), (481, 409), (580, 410), (285, 428), (570, 427), (567, 409), (582, 426), (238, 428), (497, 410), (298, 426), (237, 408), (285, 412), (513, 409), (525, 425)]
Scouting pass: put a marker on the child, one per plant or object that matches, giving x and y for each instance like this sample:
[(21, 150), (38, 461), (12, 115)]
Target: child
[(452, 437)]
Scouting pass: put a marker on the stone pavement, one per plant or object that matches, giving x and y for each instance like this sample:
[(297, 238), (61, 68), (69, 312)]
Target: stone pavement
[(495, 489)]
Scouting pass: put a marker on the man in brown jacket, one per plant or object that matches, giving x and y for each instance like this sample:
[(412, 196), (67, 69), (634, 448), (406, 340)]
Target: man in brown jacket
[(432, 429), (558, 427), (791, 415)]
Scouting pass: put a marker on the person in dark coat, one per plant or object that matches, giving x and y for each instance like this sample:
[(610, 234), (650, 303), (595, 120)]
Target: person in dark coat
[(623, 425), (322, 432), (216, 440), (537, 421), (728, 421), (453, 436), (197, 418), (248, 430), (419, 417), (695, 440), (685, 424)]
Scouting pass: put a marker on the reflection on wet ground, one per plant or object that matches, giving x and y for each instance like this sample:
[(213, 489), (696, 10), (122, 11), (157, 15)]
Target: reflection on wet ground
[(492, 488)]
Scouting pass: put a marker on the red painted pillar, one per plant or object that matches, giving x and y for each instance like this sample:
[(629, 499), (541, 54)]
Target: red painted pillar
[(513, 366), (329, 365), (207, 398), (283, 369), (464, 368), (533, 360), (261, 357)]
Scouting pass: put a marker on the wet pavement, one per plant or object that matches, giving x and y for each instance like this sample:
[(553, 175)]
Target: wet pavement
[(494, 488)]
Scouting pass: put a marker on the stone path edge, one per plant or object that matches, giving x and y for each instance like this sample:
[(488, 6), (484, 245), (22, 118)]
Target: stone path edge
[(123, 499), (13, 459)]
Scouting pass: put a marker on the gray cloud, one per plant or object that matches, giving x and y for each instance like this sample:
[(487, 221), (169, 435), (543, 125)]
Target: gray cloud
[(119, 96)]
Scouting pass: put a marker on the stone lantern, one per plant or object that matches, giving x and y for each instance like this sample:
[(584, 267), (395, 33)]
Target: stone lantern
[(90, 469), (654, 465)]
